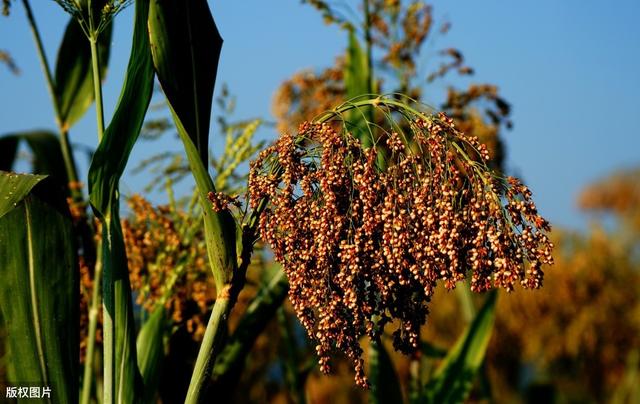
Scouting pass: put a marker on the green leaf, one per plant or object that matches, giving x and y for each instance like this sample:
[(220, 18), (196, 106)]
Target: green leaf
[(8, 151), (358, 81), (454, 378), (73, 76), (112, 154), (39, 295), (186, 45), (385, 386), (47, 154), (150, 346), (14, 188), (107, 166), (356, 70)]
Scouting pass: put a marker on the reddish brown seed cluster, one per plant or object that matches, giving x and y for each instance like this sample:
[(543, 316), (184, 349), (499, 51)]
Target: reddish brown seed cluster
[(221, 201), (364, 243)]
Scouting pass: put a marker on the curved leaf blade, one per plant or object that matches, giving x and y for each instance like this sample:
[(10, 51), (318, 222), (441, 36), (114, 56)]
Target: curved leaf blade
[(187, 69), (453, 380), (39, 296), (8, 151), (14, 188), (47, 153), (111, 156), (73, 76), (150, 347), (385, 386), (123, 381), (186, 46)]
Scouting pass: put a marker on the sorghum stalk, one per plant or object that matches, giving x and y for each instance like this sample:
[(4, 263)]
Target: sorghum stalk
[(91, 334), (108, 299)]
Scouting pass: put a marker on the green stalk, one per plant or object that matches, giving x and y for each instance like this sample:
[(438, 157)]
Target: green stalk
[(108, 301), (368, 42), (97, 84), (76, 194), (67, 155), (91, 338), (211, 345)]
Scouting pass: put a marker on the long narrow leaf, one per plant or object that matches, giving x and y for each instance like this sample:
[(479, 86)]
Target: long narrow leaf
[(73, 78), (45, 147), (38, 295), (186, 47), (8, 152), (385, 386), (186, 68), (106, 169), (358, 82), (454, 378), (14, 188), (150, 346)]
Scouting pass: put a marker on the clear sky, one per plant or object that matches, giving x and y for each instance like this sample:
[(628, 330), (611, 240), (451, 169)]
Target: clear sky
[(569, 68)]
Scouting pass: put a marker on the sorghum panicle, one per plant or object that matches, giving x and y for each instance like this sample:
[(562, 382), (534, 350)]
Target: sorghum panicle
[(364, 246)]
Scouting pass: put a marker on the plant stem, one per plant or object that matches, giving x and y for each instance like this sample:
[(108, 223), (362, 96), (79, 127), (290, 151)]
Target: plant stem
[(91, 338), (466, 304), (108, 300), (368, 43), (211, 345), (67, 154), (97, 84)]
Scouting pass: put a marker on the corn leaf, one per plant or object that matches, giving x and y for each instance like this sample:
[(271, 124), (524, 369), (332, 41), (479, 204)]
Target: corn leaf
[(150, 346), (385, 386), (453, 380), (39, 295), (73, 77), (107, 166)]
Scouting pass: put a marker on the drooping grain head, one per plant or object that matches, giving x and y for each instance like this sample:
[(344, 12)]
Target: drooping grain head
[(364, 235)]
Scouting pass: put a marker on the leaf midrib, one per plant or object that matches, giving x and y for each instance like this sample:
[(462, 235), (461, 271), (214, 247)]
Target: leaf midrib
[(34, 298)]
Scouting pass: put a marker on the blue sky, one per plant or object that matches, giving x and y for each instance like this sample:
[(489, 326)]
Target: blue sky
[(569, 68)]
